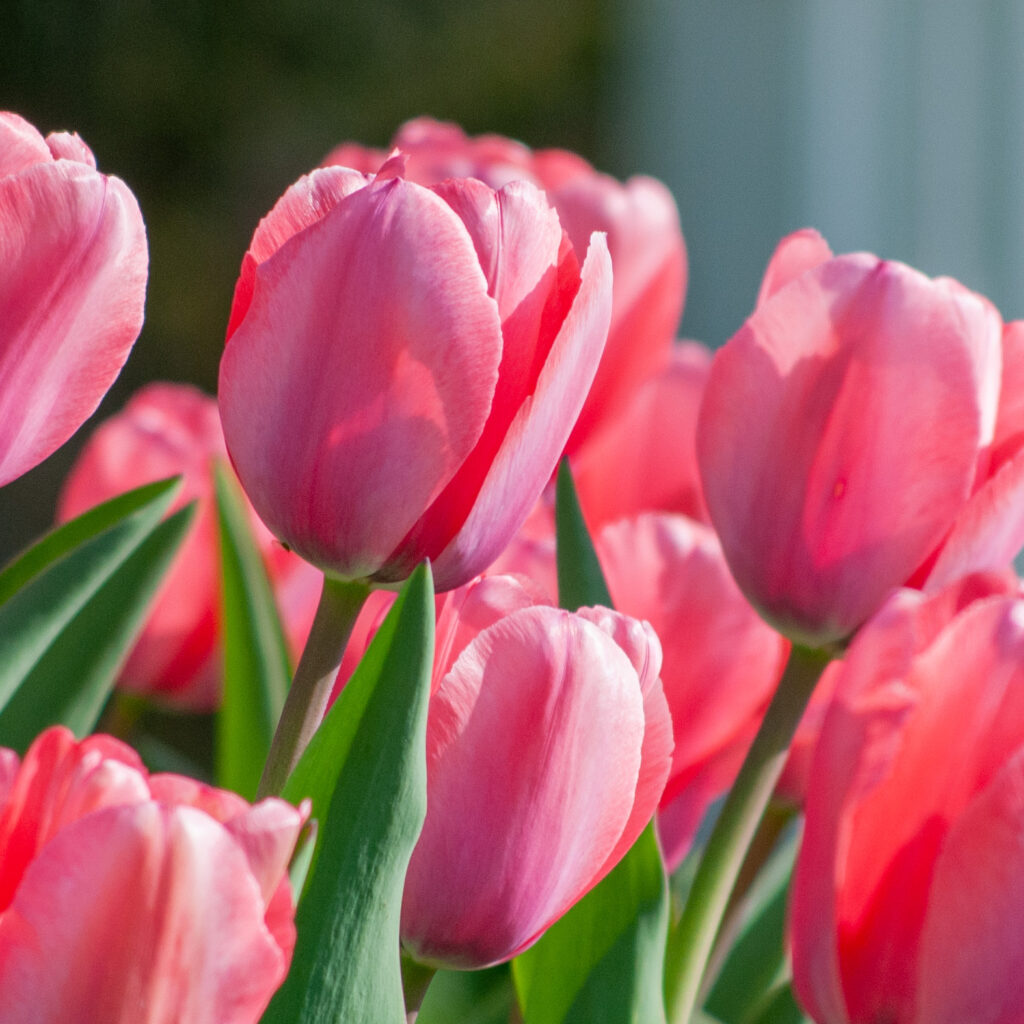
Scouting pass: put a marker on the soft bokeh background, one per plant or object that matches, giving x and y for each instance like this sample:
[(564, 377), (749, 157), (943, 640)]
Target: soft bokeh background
[(891, 125)]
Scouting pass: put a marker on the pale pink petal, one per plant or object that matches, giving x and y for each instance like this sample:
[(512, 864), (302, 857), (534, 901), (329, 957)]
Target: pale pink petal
[(796, 253), (69, 146), (305, 202), (529, 451), (533, 756), (364, 159), (412, 341), (165, 898), (645, 458), (21, 145), (74, 251), (972, 956), (838, 439)]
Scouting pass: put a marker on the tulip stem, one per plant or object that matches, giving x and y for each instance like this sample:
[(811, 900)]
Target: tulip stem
[(306, 703), (416, 979), (692, 941)]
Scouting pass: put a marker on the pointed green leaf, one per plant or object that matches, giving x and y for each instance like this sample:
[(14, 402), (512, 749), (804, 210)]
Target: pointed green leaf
[(365, 771), (580, 579), (604, 960), (50, 585), (70, 683), (256, 668)]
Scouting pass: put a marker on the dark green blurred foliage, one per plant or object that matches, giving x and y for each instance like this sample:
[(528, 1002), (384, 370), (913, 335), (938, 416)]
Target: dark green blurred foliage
[(209, 109)]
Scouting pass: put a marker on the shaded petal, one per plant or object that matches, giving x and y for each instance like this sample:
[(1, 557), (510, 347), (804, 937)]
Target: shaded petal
[(796, 253)]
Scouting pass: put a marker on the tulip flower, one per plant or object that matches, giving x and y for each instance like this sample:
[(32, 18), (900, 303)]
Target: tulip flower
[(548, 744), (403, 367), (907, 903), (858, 434), (73, 262), (169, 429), (640, 217), (136, 898)]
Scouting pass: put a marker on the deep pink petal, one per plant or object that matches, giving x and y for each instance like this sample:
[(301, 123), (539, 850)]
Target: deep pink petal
[(796, 253), (972, 956), (140, 914), (73, 248), (838, 438), (533, 755), (529, 451), (412, 341)]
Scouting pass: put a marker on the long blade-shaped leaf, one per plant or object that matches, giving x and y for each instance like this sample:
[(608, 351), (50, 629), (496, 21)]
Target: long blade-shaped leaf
[(50, 584), (365, 771), (256, 669), (70, 683), (604, 960)]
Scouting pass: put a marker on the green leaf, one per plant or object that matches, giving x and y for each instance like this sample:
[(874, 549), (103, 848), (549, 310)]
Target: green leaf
[(256, 667), (781, 1008), (47, 589), (70, 683), (365, 771), (580, 579), (604, 960), (757, 964)]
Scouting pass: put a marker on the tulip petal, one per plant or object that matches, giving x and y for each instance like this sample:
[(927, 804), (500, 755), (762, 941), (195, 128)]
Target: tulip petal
[(829, 479), (73, 249), (167, 897), (530, 449), (972, 959), (533, 757), (796, 253), (411, 343)]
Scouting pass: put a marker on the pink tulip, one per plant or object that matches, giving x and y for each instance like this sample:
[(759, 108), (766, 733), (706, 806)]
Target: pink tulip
[(640, 217), (137, 898), (907, 902), (73, 263), (169, 429), (846, 439), (548, 745), (721, 662), (403, 368)]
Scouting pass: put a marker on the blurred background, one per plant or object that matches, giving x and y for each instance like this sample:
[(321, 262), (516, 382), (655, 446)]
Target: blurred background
[(891, 125)]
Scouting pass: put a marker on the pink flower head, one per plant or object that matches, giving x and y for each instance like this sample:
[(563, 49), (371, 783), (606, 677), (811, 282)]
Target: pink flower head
[(907, 903), (548, 745), (132, 898), (403, 367), (640, 218), (169, 429), (849, 439), (73, 262)]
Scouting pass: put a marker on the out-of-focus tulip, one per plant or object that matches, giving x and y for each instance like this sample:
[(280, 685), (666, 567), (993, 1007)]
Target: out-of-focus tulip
[(548, 744), (640, 218), (404, 365), (907, 902), (169, 429), (137, 898), (858, 434), (721, 662), (73, 262)]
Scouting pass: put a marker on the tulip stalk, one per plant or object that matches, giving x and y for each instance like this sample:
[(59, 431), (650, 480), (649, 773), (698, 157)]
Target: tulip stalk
[(692, 941), (306, 703)]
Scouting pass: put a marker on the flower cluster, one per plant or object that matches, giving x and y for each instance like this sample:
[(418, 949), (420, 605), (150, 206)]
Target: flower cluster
[(770, 600)]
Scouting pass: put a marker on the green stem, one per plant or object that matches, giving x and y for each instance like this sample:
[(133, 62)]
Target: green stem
[(304, 707), (416, 979), (691, 942)]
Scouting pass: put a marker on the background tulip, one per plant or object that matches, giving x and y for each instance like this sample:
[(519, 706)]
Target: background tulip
[(137, 898), (403, 367), (843, 430), (640, 218), (73, 263), (906, 902), (548, 745), (169, 429)]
